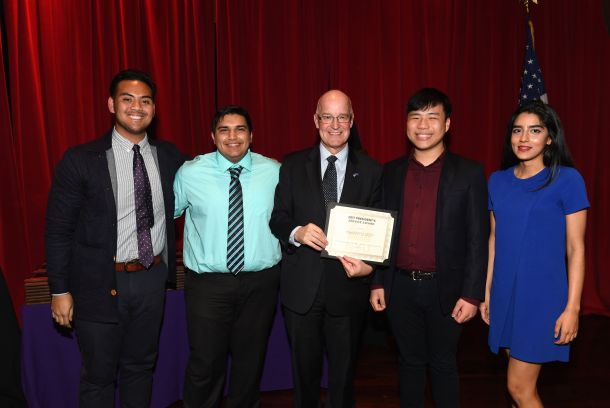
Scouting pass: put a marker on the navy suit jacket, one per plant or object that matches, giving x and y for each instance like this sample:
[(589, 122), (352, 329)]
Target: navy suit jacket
[(462, 228), (298, 201), (81, 230)]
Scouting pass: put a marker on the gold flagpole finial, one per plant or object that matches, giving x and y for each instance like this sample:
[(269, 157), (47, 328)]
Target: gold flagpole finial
[(526, 3)]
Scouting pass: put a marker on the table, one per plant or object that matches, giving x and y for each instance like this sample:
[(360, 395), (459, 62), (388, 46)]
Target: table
[(51, 360)]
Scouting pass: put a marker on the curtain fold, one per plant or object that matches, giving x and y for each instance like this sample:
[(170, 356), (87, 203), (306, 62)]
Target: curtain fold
[(271, 60), (276, 57), (13, 247), (62, 55)]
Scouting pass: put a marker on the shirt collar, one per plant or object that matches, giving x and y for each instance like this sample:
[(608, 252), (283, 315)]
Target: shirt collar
[(224, 164), (436, 163), (125, 144), (341, 156)]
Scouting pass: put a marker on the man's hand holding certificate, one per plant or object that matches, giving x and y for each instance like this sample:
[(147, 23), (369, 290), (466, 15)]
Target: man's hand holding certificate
[(355, 268), (312, 236)]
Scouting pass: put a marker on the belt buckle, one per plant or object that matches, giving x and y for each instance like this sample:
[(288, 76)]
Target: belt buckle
[(132, 262), (418, 275)]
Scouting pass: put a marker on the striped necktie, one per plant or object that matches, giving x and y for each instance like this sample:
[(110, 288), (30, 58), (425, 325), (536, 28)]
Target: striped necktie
[(235, 232)]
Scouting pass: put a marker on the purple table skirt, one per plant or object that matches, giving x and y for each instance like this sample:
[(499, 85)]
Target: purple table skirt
[(51, 360)]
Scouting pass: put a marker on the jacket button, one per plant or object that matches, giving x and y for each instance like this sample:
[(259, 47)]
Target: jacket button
[(113, 292)]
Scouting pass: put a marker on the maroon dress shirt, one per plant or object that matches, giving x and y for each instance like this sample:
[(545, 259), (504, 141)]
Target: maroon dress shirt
[(417, 242), (416, 246)]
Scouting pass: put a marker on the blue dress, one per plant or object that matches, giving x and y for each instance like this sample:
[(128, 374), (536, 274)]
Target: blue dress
[(530, 285)]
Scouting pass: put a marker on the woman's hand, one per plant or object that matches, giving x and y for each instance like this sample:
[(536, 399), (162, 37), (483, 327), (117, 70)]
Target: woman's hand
[(484, 309), (566, 327)]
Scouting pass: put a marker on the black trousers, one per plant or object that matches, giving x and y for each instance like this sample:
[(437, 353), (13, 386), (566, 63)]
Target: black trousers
[(131, 344), (427, 340), (228, 315), (311, 334)]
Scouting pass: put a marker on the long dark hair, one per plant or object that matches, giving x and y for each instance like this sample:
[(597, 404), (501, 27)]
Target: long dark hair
[(555, 154)]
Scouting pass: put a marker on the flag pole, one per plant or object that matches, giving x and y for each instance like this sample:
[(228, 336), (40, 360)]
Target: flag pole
[(532, 84)]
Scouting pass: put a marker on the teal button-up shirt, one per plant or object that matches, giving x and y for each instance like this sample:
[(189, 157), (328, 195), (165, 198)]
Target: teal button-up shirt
[(201, 188)]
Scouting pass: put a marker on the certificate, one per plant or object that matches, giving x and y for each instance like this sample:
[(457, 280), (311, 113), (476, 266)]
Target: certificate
[(359, 232)]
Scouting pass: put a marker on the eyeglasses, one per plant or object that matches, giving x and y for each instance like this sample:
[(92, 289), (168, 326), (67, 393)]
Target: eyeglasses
[(328, 118)]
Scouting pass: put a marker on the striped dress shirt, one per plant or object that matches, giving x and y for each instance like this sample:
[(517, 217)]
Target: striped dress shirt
[(127, 238)]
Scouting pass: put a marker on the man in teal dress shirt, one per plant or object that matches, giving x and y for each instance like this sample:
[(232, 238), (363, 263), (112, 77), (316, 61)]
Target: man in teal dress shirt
[(231, 260)]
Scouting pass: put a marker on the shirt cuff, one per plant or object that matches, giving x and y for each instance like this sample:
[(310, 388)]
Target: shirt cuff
[(376, 286), (291, 239), (60, 294), (472, 301)]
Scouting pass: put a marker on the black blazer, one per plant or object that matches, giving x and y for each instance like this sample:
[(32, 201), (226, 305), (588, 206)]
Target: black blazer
[(298, 201), (81, 230), (462, 228)]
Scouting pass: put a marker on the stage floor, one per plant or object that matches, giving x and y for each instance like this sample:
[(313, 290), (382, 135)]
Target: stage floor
[(582, 383)]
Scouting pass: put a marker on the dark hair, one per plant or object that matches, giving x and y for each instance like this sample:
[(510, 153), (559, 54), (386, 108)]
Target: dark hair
[(555, 154), (132, 75), (428, 98), (231, 110)]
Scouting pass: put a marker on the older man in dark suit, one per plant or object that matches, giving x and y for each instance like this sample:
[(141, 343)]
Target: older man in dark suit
[(110, 246), (324, 299), (439, 258)]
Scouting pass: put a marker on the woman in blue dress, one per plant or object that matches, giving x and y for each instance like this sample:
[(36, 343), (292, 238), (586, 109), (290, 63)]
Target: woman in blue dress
[(538, 209)]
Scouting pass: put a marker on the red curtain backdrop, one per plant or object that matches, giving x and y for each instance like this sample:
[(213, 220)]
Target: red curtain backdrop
[(276, 57)]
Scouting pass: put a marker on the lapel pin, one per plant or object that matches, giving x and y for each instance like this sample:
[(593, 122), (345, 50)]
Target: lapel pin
[(355, 175)]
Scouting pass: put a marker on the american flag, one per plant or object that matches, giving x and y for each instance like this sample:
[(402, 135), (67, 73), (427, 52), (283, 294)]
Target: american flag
[(532, 84)]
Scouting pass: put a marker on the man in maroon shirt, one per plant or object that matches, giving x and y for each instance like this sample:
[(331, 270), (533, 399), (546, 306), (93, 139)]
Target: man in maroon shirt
[(436, 276)]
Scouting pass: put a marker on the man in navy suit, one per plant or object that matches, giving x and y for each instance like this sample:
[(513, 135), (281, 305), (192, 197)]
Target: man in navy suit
[(439, 257), (324, 300), (107, 268)]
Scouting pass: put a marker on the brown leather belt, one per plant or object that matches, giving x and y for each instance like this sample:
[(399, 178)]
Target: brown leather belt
[(134, 265)]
